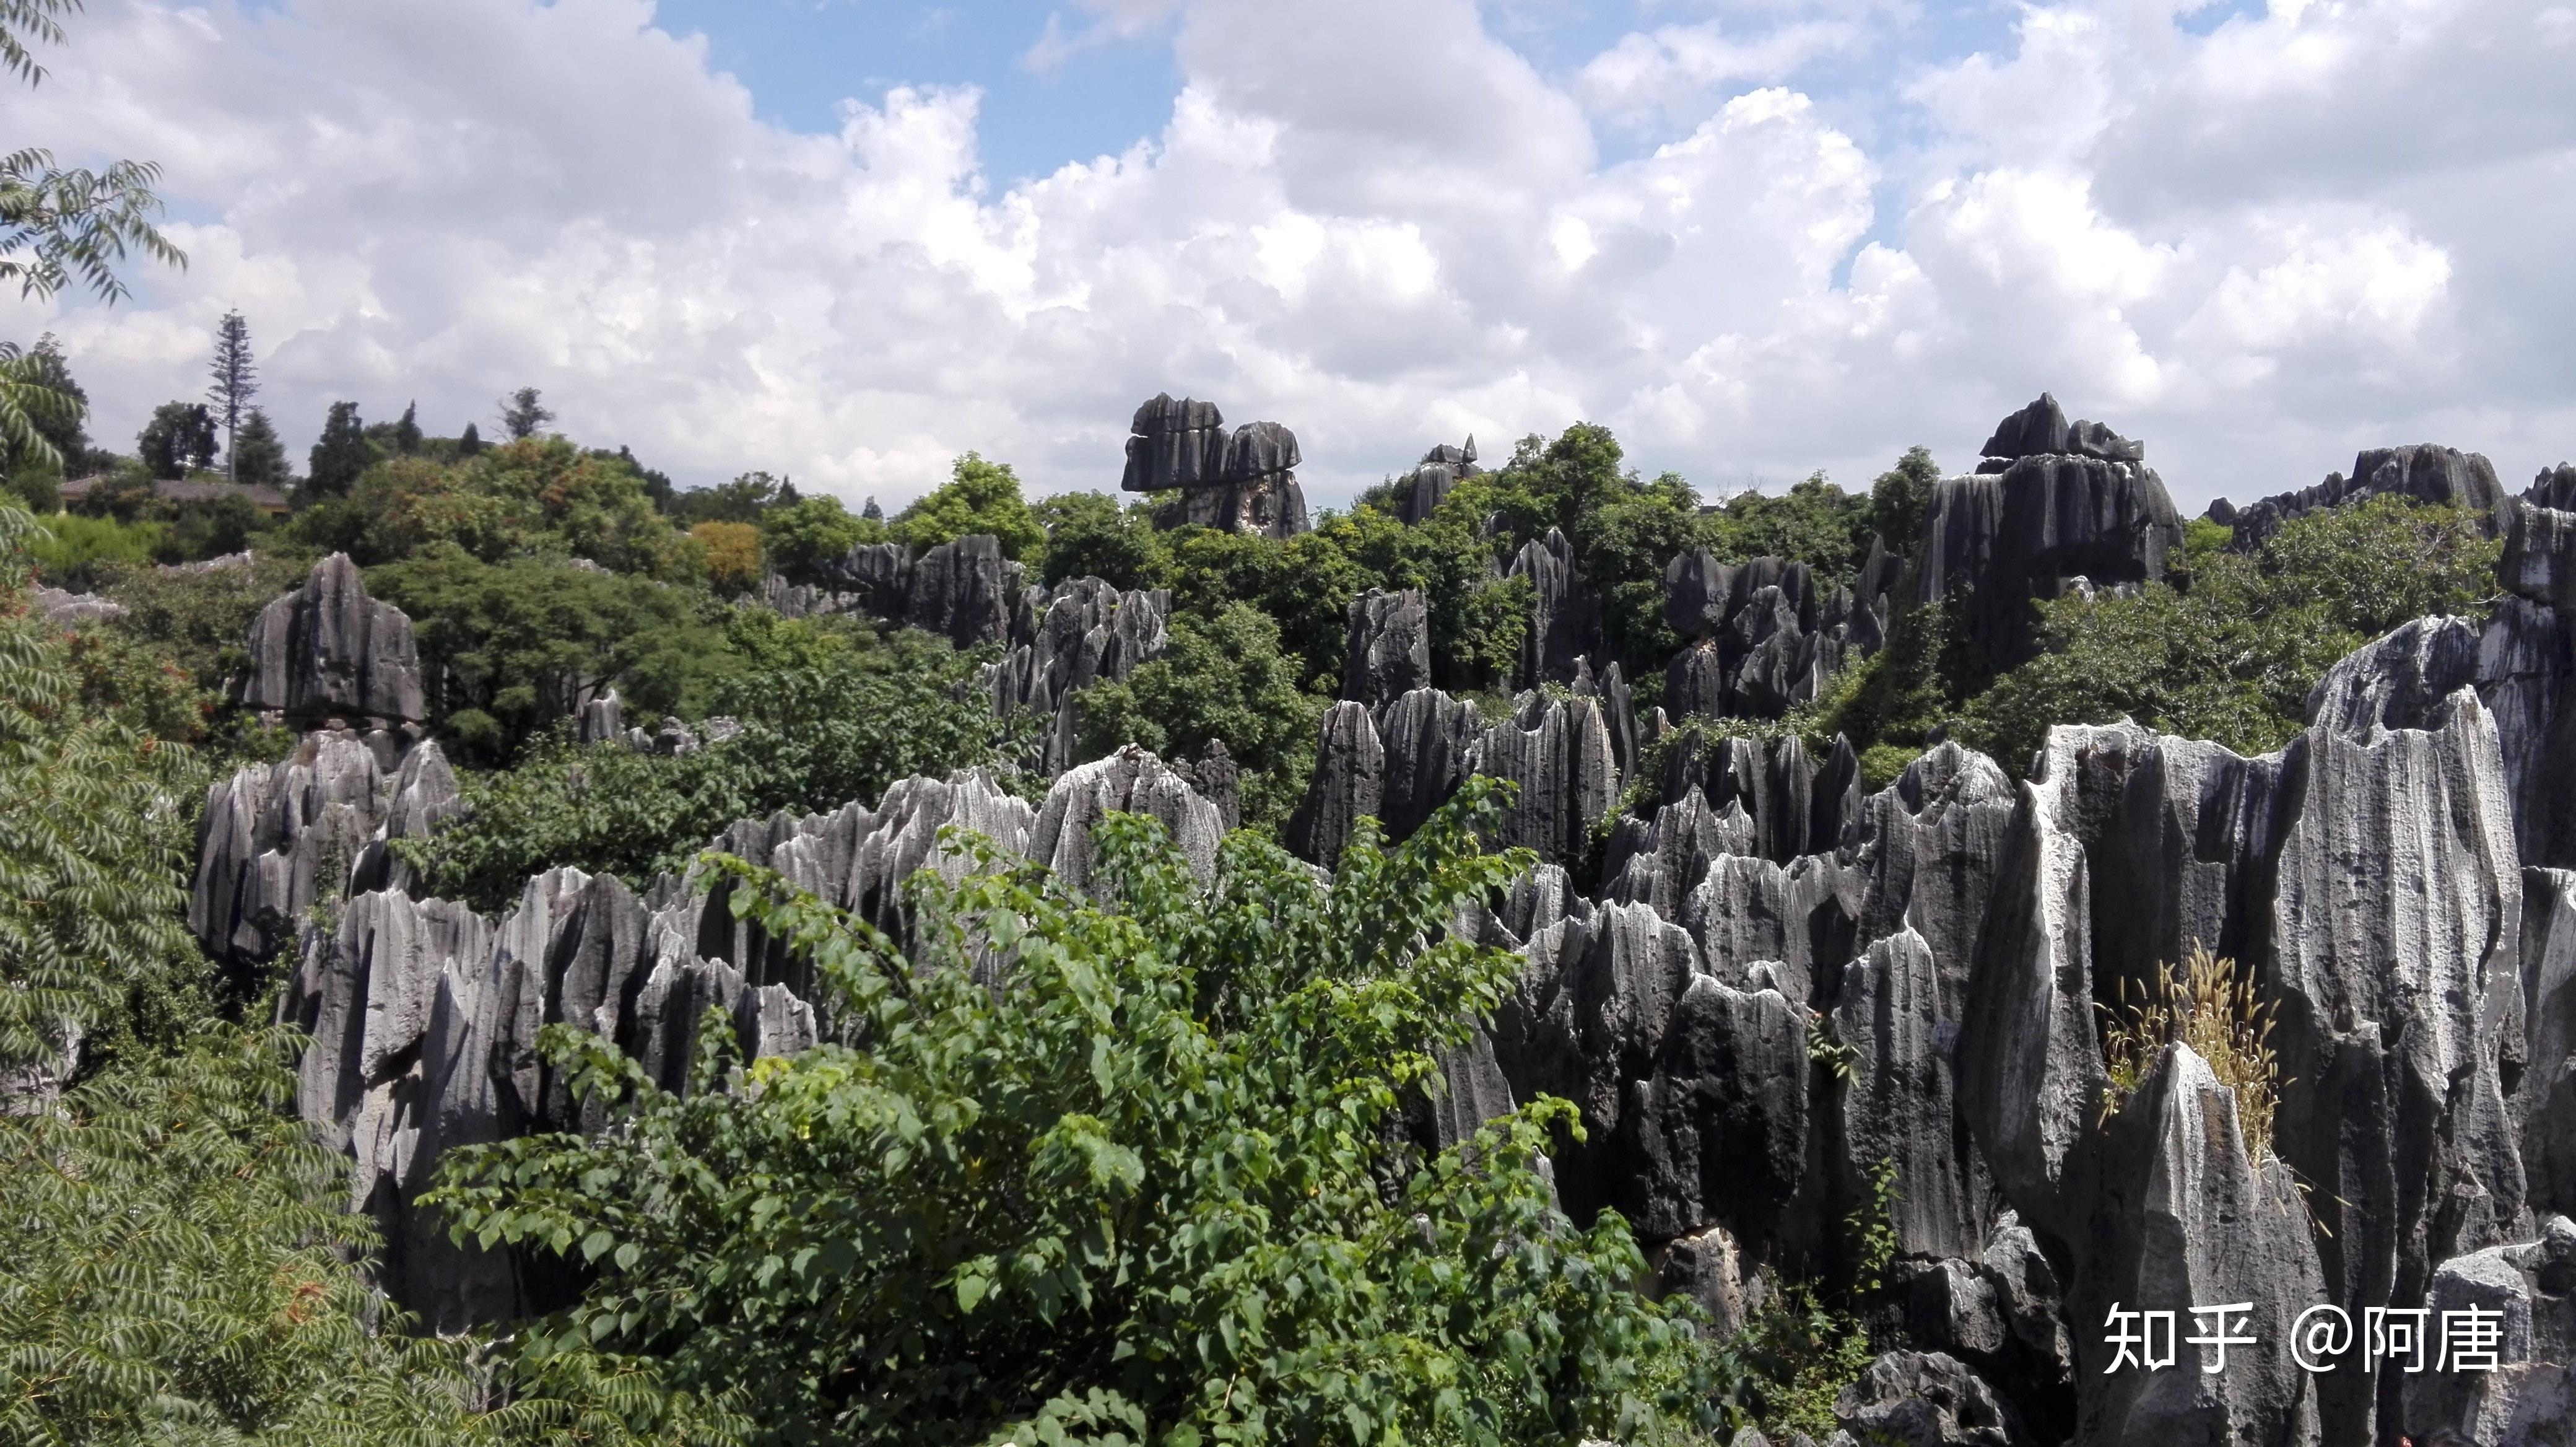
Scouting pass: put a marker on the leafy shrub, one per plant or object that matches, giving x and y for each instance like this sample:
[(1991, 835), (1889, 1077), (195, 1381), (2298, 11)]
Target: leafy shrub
[(979, 497), (1146, 1190), (78, 553), (827, 717), (1227, 679)]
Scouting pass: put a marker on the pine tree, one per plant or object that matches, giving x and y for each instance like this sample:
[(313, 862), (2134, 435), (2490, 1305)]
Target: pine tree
[(340, 454), (236, 382), (470, 443), (407, 431), (259, 458), (522, 414)]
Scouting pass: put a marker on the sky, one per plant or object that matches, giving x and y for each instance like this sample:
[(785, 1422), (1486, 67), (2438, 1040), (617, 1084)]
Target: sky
[(848, 240)]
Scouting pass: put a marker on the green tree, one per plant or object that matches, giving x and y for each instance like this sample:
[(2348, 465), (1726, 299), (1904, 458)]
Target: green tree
[(593, 504), (258, 457), (407, 438), (1090, 535), (805, 537), (510, 646), (178, 440), (1814, 521), (235, 382), (92, 846), (522, 413), (979, 497), (748, 498), (1222, 678), (2232, 654), (339, 454), (827, 717), (39, 394), (469, 442), (1901, 499), (1149, 1190)]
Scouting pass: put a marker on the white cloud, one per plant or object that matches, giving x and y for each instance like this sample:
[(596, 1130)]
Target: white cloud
[(1374, 220)]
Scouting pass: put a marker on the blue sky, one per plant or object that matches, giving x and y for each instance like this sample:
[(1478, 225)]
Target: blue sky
[(1754, 237)]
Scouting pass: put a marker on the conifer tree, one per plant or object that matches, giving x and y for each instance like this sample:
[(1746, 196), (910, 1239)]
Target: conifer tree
[(471, 442), (407, 431), (339, 454), (522, 414), (236, 381), (258, 456)]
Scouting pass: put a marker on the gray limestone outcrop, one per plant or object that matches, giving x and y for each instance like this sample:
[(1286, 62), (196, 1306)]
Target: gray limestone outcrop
[(964, 591), (1441, 469), (274, 842), (327, 650), (1765, 636), (1130, 781), (2423, 471), (1565, 618), (1087, 630), (1559, 754), (1348, 784), (2029, 528), (2041, 430), (1239, 482), (1388, 651), (1433, 742), (66, 608), (1925, 1399)]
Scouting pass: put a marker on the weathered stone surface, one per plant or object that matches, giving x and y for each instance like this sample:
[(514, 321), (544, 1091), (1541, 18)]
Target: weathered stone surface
[(1558, 751), (2540, 553), (2423, 471), (1441, 469), (1925, 1399), (1659, 863), (1175, 444), (1432, 742), (1088, 630), (328, 650), (1765, 638), (1388, 651), (964, 591), (2546, 1100), (1778, 787), (1709, 1268), (1565, 619), (1786, 927), (1348, 783), (1900, 1105), (1218, 781), (2526, 675), (66, 608), (1243, 482), (879, 575), (2001, 539), (275, 841), (2041, 429), (603, 720), (1130, 781), (2189, 1221)]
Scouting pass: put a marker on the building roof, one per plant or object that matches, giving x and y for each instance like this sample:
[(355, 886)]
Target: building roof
[(190, 489)]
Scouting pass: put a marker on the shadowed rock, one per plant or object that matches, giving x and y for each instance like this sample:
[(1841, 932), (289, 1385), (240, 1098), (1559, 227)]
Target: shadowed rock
[(1387, 653), (2423, 471), (1565, 619), (1348, 783), (1089, 630), (328, 650), (964, 591), (1441, 469)]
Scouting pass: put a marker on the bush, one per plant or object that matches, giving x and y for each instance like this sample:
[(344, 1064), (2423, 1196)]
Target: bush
[(805, 537), (732, 555), (79, 553), (1149, 1189), (2232, 652), (1225, 678), (1090, 535), (979, 497), (826, 718)]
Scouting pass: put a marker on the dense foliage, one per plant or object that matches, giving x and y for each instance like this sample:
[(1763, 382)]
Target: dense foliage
[(827, 715), (1144, 1192), (1222, 680)]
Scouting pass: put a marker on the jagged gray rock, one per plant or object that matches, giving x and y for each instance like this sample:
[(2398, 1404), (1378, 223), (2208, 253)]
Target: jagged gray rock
[(1130, 781), (2041, 430), (1558, 752), (1709, 1268), (2001, 539), (328, 650), (274, 842), (1925, 1399), (1659, 863), (1089, 630), (1245, 482), (61, 606), (2546, 1101), (1348, 784), (1900, 1105), (1565, 619), (964, 591), (2423, 471), (1441, 469), (1433, 742), (1388, 651), (602, 721)]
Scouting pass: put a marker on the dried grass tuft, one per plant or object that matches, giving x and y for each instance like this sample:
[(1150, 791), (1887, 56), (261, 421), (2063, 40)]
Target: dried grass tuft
[(2208, 1005)]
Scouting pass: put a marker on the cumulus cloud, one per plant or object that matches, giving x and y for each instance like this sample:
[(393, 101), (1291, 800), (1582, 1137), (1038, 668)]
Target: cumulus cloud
[(2261, 247)]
